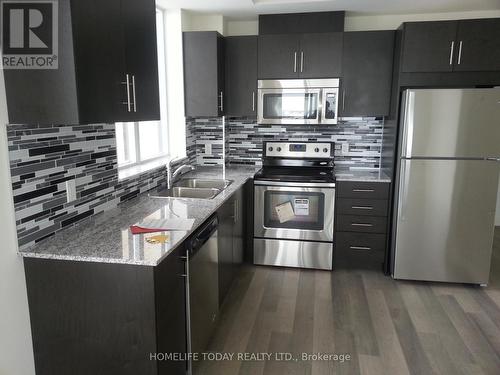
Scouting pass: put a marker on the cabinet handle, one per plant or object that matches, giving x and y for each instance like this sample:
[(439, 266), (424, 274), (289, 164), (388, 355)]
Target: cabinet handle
[(133, 92), (343, 99), (236, 211), (460, 53), (301, 61), (253, 101), (221, 101), (452, 47), (363, 190), (127, 83), (361, 225), (362, 207), (295, 62), (360, 248)]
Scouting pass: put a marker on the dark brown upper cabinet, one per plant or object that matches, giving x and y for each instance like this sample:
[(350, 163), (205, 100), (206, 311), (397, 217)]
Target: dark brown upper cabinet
[(241, 76), (310, 55), (478, 45), (108, 68), (203, 74), (367, 74), (446, 46)]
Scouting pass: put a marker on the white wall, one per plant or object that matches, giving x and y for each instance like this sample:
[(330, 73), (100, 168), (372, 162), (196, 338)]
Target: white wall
[(193, 21), (175, 81), (16, 353), (497, 217), (242, 27), (390, 22), (358, 22)]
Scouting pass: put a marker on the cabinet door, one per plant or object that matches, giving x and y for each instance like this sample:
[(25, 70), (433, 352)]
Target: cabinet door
[(429, 46), (320, 55), (241, 76), (478, 45), (278, 56), (238, 230), (99, 59), (201, 73), (139, 24), (170, 311), (221, 104), (366, 87), (46, 96), (225, 242)]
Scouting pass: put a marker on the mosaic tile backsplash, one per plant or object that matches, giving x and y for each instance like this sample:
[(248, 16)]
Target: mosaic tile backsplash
[(244, 139), (43, 158)]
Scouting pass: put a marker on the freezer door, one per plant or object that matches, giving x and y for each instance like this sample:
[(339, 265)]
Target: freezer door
[(454, 123), (445, 220)]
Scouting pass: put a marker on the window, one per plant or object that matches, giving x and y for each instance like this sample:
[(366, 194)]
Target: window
[(145, 145)]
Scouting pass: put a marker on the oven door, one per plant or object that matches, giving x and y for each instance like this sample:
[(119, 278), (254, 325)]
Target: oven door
[(294, 211), (289, 106)]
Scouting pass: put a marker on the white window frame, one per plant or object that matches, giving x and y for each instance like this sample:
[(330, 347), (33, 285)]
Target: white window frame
[(135, 153)]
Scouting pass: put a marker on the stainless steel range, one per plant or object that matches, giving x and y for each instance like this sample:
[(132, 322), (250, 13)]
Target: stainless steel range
[(294, 205)]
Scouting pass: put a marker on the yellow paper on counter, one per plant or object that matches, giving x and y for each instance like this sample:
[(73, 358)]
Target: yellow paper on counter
[(157, 239), (285, 212)]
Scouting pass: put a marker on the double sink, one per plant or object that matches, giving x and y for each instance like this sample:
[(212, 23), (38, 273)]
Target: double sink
[(199, 188)]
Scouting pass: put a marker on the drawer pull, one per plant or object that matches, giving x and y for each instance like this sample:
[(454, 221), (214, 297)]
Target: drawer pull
[(363, 190), (361, 225), (360, 248), (362, 207)]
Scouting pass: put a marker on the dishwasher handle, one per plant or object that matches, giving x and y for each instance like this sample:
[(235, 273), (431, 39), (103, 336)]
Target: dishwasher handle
[(202, 235)]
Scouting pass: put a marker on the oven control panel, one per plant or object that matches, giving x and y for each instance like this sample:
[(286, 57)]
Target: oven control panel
[(299, 149)]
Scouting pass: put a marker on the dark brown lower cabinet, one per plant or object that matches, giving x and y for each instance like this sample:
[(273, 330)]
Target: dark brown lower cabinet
[(231, 234), (361, 225), (102, 318)]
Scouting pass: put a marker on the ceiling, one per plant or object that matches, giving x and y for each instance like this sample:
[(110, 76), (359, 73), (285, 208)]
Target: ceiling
[(249, 9)]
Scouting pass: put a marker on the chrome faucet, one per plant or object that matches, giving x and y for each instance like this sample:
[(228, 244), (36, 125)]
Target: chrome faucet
[(179, 171)]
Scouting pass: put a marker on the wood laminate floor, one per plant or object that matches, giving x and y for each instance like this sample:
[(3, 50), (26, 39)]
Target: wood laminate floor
[(386, 326)]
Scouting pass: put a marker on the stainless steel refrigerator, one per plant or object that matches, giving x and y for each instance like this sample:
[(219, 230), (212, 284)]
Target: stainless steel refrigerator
[(446, 185)]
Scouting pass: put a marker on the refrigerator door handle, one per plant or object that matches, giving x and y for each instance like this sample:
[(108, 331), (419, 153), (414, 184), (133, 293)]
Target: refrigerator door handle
[(403, 189), (409, 101), (494, 159)]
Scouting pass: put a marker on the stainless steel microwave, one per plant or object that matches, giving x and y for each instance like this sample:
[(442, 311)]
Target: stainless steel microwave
[(298, 101)]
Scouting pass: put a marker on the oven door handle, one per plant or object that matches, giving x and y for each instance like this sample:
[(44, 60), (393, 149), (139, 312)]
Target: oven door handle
[(295, 184)]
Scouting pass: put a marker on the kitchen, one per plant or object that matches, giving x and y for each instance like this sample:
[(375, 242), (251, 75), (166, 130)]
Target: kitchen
[(252, 186)]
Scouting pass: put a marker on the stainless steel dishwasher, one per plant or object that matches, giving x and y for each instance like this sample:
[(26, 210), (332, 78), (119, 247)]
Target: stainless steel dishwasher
[(202, 288)]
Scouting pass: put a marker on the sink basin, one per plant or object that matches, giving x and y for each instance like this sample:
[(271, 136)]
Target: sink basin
[(187, 192), (203, 183)]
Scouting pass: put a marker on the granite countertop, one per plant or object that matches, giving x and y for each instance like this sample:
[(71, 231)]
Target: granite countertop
[(106, 238), (362, 175)]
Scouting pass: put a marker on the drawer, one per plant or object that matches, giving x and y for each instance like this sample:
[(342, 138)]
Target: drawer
[(363, 207), (363, 224), (366, 190), (359, 251)]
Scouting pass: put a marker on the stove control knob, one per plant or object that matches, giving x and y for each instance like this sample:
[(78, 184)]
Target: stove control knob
[(270, 148), (316, 149), (325, 150), (278, 149)]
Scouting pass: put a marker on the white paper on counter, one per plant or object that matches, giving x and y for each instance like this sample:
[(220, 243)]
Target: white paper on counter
[(167, 224), (285, 212)]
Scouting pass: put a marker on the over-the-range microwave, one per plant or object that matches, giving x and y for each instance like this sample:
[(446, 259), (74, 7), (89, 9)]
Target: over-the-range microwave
[(298, 101)]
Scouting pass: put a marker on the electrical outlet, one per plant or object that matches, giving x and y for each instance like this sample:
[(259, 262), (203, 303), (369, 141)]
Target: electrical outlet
[(345, 148), (208, 148), (70, 190)]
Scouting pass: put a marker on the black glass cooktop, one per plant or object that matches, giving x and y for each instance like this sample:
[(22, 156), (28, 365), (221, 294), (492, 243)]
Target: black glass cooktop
[(322, 175)]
